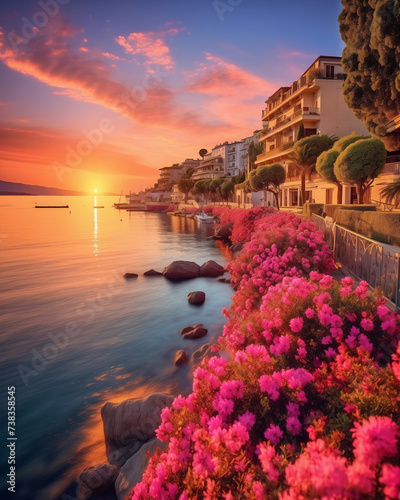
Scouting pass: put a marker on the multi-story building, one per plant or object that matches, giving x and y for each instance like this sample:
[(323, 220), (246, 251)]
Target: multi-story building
[(225, 160), (170, 175), (316, 100)]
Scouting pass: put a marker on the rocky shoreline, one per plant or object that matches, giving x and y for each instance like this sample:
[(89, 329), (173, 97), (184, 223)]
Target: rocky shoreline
[(130, 426)]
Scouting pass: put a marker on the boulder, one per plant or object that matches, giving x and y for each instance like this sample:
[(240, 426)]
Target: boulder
[(152, 272), (201, 353), (196, 298), (236, 248), (130, 275), (99, 478), (190, 328), (181, 269), (131, 473), (180, 358), (224, 232), (129, 424), (195, 333), (211, 269)]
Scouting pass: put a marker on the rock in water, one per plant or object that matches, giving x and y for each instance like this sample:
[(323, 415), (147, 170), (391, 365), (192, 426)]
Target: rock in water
[(131, 473), (180, 358), (211, 269), (99, 478), (224, 232), (203, 352), (196, 298), (129, 424), (130, 275), (181, 269), (152, 272), (195, 333)]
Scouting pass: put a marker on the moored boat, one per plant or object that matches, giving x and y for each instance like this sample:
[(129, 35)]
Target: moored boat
[(202, 217)]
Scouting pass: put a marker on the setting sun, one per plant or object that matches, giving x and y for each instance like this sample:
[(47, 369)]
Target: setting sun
[(95, 190)]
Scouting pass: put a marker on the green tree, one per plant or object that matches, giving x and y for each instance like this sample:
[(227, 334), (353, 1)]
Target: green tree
[(203, 152), (268, 178), (215, 188), (324, 166), (371, 61), (301, 133), (227, 188), (254, 150), (189, 172), (202, 188), (360, 163), (304, 156), (185, 186), (392, 193), (326, 161)]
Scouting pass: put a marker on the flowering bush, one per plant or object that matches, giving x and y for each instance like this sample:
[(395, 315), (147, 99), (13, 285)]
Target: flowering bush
[(307, 405)]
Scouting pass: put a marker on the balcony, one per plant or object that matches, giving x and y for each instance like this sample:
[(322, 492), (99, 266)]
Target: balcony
[(282, 121), (391, 168)]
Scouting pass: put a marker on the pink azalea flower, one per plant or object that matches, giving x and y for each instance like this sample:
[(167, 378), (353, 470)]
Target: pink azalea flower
[(296, 324), (391, 479), (273, 434), (375, 439), (293, 425), (309, 313), (367, 325)]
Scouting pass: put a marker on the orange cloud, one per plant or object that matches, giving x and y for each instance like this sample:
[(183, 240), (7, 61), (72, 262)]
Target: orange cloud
[(83, 49), (52, 60), (151, 46)]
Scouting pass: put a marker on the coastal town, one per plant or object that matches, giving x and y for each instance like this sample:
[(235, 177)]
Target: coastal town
[(311, 105)]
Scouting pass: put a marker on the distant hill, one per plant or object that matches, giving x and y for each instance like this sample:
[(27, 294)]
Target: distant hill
[(15, 188)]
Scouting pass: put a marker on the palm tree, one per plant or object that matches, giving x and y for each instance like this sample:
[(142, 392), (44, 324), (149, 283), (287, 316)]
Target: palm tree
[(392, 192), (304, 156)]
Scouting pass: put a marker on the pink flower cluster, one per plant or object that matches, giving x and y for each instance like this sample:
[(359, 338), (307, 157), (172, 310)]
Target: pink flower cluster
[(305, 401)]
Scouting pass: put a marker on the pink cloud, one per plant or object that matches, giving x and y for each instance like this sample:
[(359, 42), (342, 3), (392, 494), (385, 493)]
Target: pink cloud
[(108, 55), (51, 59), (219, 77), (151, 46)]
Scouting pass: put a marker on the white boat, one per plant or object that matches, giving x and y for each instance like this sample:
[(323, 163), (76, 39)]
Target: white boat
[(202, 217)]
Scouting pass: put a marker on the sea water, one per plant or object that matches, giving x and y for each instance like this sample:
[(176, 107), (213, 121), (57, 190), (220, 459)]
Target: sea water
[(75, 333)]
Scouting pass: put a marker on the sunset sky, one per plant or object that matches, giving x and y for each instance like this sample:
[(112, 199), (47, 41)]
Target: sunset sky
[(100, 94)]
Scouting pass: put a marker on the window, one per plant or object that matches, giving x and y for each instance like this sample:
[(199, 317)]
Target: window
[(310, 131), (329, 196), (329, 71)]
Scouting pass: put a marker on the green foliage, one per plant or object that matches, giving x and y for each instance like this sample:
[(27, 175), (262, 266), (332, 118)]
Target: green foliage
[(341, 144), (325, 163), (371, 60), (227, 188), (305, 153), (254, 150), (361, 162), (392, 192), (185, 186), (189, 172), (269, 178), (203, 152), (301, 133)]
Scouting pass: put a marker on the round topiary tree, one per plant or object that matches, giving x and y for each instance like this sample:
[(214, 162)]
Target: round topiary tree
[(184, 186), (326, 161), (360, 163), (371, 61), (305, 153), (324, 167), (268, 178)]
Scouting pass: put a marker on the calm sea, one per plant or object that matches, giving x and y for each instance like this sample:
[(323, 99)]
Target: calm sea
[(75, 334)]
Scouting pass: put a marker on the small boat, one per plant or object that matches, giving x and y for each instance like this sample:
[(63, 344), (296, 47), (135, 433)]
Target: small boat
[(51, 206), (202, 217)]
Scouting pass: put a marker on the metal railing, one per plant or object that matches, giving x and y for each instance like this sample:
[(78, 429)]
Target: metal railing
[(366, 259)]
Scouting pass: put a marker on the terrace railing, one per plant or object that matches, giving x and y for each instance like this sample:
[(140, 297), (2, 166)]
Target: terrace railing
[(366, 259)]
